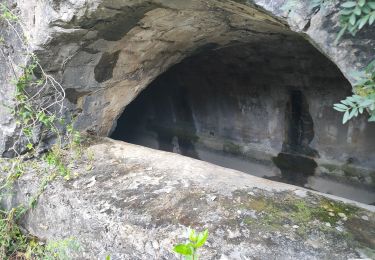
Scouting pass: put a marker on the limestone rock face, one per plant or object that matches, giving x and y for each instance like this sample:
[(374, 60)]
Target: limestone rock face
[(132, 202), (105, 52)]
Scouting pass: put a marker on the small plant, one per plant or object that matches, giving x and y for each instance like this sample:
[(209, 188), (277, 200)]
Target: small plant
[(189, 249), (364, 97), (54, 159), (7, 14), (60, 249)]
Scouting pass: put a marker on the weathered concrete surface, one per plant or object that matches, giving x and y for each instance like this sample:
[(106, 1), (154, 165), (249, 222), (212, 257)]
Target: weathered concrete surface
[(133, 202), (106, 51)]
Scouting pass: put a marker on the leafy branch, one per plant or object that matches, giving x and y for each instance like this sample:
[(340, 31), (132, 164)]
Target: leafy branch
[(354, 15), (364, 97)]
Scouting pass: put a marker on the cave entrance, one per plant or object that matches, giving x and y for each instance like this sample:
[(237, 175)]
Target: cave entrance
[(263, 108)]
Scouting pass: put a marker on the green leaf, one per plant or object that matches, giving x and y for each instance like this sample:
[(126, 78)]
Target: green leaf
[(372, 118), (202, 237), (372, 5), (356, 112), (366, 9), (192, 235), (341, 33), (341, 106), (353, 113), (345, 117), (352, 19), (371, 66), (346, 11), (357, 11), (363, 21), (367, 102), (108, 257), (339, 109), (349, 4), (349, 101), (372, 18), (184, 249), (361, 3)]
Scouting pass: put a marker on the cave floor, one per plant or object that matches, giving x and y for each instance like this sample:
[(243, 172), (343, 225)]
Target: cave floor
[(133, 202)]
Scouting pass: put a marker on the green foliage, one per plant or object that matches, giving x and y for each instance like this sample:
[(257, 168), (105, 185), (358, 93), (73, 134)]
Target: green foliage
[(11, 237), (75, 138), (6, 14), (31, 110), (354, 15), (59, 249), (54, 159), (38, 97), (15, 245), (15, 172), (364, 97), (189, 249)]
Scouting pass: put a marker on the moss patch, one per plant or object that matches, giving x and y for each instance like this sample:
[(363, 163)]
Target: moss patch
[(232, 148), (329, 211), (283, 210)]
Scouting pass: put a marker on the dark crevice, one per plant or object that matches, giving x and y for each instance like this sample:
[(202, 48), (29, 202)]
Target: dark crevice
[(104, 69), (296, 159), (300, 126)]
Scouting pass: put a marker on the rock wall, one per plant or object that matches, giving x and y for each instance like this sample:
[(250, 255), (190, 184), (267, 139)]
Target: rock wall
[(105, 52), (10, 56)]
